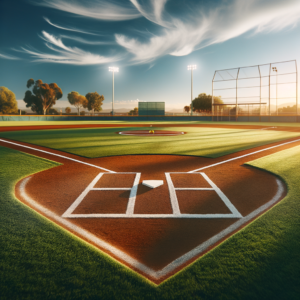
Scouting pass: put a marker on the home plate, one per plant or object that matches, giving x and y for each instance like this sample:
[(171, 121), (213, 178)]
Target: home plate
[(153, 183)]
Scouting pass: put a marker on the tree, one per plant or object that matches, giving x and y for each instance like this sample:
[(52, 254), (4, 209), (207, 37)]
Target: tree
[(187, 108), (287, 109), (68, 110), (134, 112), (77, 100), (53, 111), (43, 96), (8, 102), (203, 102), (94, 101)]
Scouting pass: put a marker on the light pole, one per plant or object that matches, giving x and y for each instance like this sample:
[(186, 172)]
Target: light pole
[(275, 70), (192, 67), (113, 70)]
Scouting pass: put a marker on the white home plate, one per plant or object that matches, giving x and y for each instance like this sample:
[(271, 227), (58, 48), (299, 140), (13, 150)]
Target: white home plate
[(153, 183)]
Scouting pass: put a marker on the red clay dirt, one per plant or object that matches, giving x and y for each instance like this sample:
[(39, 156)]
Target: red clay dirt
[(153, 242)]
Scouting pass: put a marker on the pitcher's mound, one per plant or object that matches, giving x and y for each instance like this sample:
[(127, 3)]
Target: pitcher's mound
[(150, 132)]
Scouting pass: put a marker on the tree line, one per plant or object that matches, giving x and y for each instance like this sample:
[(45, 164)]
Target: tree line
[(202, 103), (41, 97)]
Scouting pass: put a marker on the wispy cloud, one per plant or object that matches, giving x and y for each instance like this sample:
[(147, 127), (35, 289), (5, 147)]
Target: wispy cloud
[(98, 9), (196, 26), (4, 56), (68, 29), (88, 42), (67, 55), (152, 11), (205, 26)]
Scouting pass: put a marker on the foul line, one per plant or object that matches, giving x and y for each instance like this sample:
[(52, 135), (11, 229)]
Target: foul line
[(248, 154), (81, 162), (209, 166)]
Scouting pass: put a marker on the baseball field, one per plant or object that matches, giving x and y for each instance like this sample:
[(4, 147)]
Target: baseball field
[(79, 218)]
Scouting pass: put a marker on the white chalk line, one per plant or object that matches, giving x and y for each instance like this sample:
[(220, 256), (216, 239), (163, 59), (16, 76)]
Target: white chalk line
[(206, 167), (196, 251), (86, 234), (65, 157), (135, 263), (245, 155), (131, 203)]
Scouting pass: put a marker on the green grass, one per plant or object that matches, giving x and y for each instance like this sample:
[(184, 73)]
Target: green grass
[(39, 260), (41, 123), (199, 141)]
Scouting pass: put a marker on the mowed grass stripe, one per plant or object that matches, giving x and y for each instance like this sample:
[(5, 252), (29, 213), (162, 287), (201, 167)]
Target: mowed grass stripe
[(99, 142), (41, 261)]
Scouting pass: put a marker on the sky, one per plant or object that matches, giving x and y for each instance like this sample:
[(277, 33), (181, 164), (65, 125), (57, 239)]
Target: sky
[(74, 42)]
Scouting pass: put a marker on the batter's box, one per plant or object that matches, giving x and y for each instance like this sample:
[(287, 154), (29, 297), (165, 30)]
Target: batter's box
[(126, 210), (93, 187)]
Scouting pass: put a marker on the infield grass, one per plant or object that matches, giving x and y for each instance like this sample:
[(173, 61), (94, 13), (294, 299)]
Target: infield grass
[(199, 141), (39, 260)]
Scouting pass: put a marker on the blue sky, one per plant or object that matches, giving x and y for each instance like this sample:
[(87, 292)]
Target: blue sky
[(73, 43)]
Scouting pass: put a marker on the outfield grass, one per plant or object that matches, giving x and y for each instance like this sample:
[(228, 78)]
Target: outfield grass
[(38, 260), (81, 122), (199, 141)]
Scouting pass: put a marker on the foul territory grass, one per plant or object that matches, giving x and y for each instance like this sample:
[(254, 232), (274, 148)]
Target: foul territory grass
[(199, 141), (39, 260)]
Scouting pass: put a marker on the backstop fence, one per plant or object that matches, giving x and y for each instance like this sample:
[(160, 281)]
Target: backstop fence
[(261, 90)]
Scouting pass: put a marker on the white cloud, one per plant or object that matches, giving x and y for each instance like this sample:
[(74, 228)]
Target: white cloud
[(97, 9), (10, 57), (68, 29), (152, 11), (67, 55), (205, 27), (198, 25), (88, 42)]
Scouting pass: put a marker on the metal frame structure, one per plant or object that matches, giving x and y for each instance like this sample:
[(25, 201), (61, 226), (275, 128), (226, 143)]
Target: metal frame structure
[(260, 77)]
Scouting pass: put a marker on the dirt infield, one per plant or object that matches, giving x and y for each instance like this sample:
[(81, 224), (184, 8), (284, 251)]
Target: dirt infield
[(153, 242), (149, 133)]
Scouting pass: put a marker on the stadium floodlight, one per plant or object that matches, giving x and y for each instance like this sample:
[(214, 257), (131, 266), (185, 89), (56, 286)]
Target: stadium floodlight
[(113, 70), (191, 67), (275, 70)]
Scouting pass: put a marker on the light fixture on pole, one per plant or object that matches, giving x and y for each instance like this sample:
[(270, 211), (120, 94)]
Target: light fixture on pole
[(113, 70), (275, 70), (192, 67)]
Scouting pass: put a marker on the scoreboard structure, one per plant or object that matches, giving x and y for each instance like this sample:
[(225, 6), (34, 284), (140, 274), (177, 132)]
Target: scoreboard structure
[(151, 108)]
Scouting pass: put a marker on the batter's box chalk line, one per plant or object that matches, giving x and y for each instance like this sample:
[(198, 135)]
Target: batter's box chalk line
[(132, 197)]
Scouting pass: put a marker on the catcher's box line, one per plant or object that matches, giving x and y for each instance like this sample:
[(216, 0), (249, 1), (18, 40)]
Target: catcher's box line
[(209, 166), (135, 263)]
